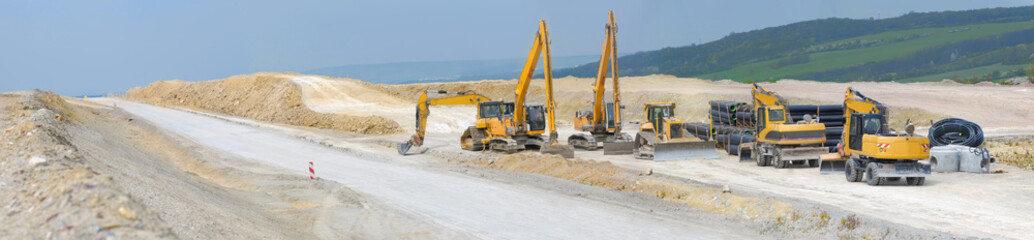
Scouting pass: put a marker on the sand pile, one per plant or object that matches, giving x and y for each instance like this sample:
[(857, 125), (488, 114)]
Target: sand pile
[(48, 192), (261, 96)]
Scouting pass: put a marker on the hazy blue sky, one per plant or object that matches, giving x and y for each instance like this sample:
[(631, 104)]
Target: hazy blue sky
[(76, 47)]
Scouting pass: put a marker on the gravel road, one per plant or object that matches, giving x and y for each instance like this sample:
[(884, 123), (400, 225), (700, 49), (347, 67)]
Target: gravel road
[(480, 207)]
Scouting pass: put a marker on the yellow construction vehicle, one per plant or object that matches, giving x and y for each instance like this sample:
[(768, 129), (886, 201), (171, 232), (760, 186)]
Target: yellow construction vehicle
[(871, 148), (515, 126), (603, 122), (778, 140), (423, 110), (662, 137)]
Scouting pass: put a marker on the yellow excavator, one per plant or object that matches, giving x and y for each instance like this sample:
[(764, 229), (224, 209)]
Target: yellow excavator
[(662, 137), (871, 148), (423, 110), (603, 123), (514, 126), (778, 140)]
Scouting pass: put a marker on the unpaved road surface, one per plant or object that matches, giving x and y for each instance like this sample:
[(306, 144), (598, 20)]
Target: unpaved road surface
[(480, 207)]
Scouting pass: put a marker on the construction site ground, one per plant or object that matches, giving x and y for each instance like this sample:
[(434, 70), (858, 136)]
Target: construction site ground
[(209, 170)]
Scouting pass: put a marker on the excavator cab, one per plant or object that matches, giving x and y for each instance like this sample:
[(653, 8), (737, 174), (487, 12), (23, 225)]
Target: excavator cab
[(535, 115)]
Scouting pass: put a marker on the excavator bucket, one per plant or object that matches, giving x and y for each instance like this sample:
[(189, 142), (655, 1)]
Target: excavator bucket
[(617, 148), (567, 151), (403, 147), (684, 150), (832, 164), (746, 149)]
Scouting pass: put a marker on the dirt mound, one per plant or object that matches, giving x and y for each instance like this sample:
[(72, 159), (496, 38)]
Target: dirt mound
[(606, 175), (261, 96), (48, 191)]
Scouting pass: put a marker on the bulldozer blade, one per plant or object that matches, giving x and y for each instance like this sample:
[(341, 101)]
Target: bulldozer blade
[(567, 151), (671, 151), (403, 147), (832, 164), (617, 148)]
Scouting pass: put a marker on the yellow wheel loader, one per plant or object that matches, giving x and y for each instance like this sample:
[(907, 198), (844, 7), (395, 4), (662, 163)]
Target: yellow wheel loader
[(515, 126), (603, 123), (662, 137), (423, 111), (778, 140), (870, 149)]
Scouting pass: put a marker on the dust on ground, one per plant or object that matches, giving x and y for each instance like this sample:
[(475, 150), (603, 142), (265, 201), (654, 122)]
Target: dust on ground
[(48, 190), (206, 194), (263, 96), (776, 216)]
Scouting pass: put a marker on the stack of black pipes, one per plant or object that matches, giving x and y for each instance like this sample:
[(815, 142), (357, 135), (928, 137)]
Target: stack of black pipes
[(732, 124), (830, 115)]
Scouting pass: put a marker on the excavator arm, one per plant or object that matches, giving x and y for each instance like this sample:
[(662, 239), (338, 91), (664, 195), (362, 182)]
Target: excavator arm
[(609, 51), (764, 97), (423, 111), (540, 46)]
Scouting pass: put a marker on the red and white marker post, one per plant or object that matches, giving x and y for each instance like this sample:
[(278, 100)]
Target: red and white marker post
[(312, 172)]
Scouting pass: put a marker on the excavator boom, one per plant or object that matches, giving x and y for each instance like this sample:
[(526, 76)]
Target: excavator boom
[(603, 123), (423, 111)]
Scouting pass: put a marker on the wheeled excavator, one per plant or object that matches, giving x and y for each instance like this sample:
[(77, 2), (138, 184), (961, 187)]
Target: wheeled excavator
[(423, 110), (779, 140), (603, 123), (871, 148), (662, 137), (515, 126)]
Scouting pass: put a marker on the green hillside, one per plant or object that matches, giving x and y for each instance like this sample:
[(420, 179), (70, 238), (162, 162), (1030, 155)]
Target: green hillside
[(914, 47), (821, 61)]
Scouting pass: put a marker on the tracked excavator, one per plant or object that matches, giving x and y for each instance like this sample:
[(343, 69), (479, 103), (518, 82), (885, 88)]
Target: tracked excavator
[(871, 148), (514, 126), (602, 124), (662, 138), (779, 140), (423, 110)]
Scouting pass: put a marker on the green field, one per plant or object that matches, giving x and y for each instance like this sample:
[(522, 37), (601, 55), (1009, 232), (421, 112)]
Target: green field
[(822, 61)]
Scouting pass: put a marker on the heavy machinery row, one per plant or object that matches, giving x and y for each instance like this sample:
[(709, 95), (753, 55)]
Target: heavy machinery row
[(853, 138)]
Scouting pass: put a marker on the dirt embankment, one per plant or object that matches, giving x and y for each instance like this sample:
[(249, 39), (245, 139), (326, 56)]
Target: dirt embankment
[(261, 96), (48, 191)]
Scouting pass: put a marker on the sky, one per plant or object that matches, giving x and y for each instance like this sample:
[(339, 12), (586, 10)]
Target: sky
[(104, 46)]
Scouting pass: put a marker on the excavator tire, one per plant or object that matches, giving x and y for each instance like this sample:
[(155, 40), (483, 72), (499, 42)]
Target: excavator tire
[(918, 181), (870, 178), (853, 173), (778, 162)]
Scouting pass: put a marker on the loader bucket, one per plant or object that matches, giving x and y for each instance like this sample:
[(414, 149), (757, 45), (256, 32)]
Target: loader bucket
[(618, 148), (832, 164), (403, 147), (684, 151), (567, 151)]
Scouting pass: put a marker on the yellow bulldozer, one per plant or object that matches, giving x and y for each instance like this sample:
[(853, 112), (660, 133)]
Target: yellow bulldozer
[(602, 124), (869, 148), (515, 126), (423, 110), (662, 138)]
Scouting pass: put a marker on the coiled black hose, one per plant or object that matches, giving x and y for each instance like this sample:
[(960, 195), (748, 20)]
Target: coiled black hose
[(956, 131)]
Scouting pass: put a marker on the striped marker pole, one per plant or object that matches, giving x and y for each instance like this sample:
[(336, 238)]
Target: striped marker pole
[(312, 173)]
